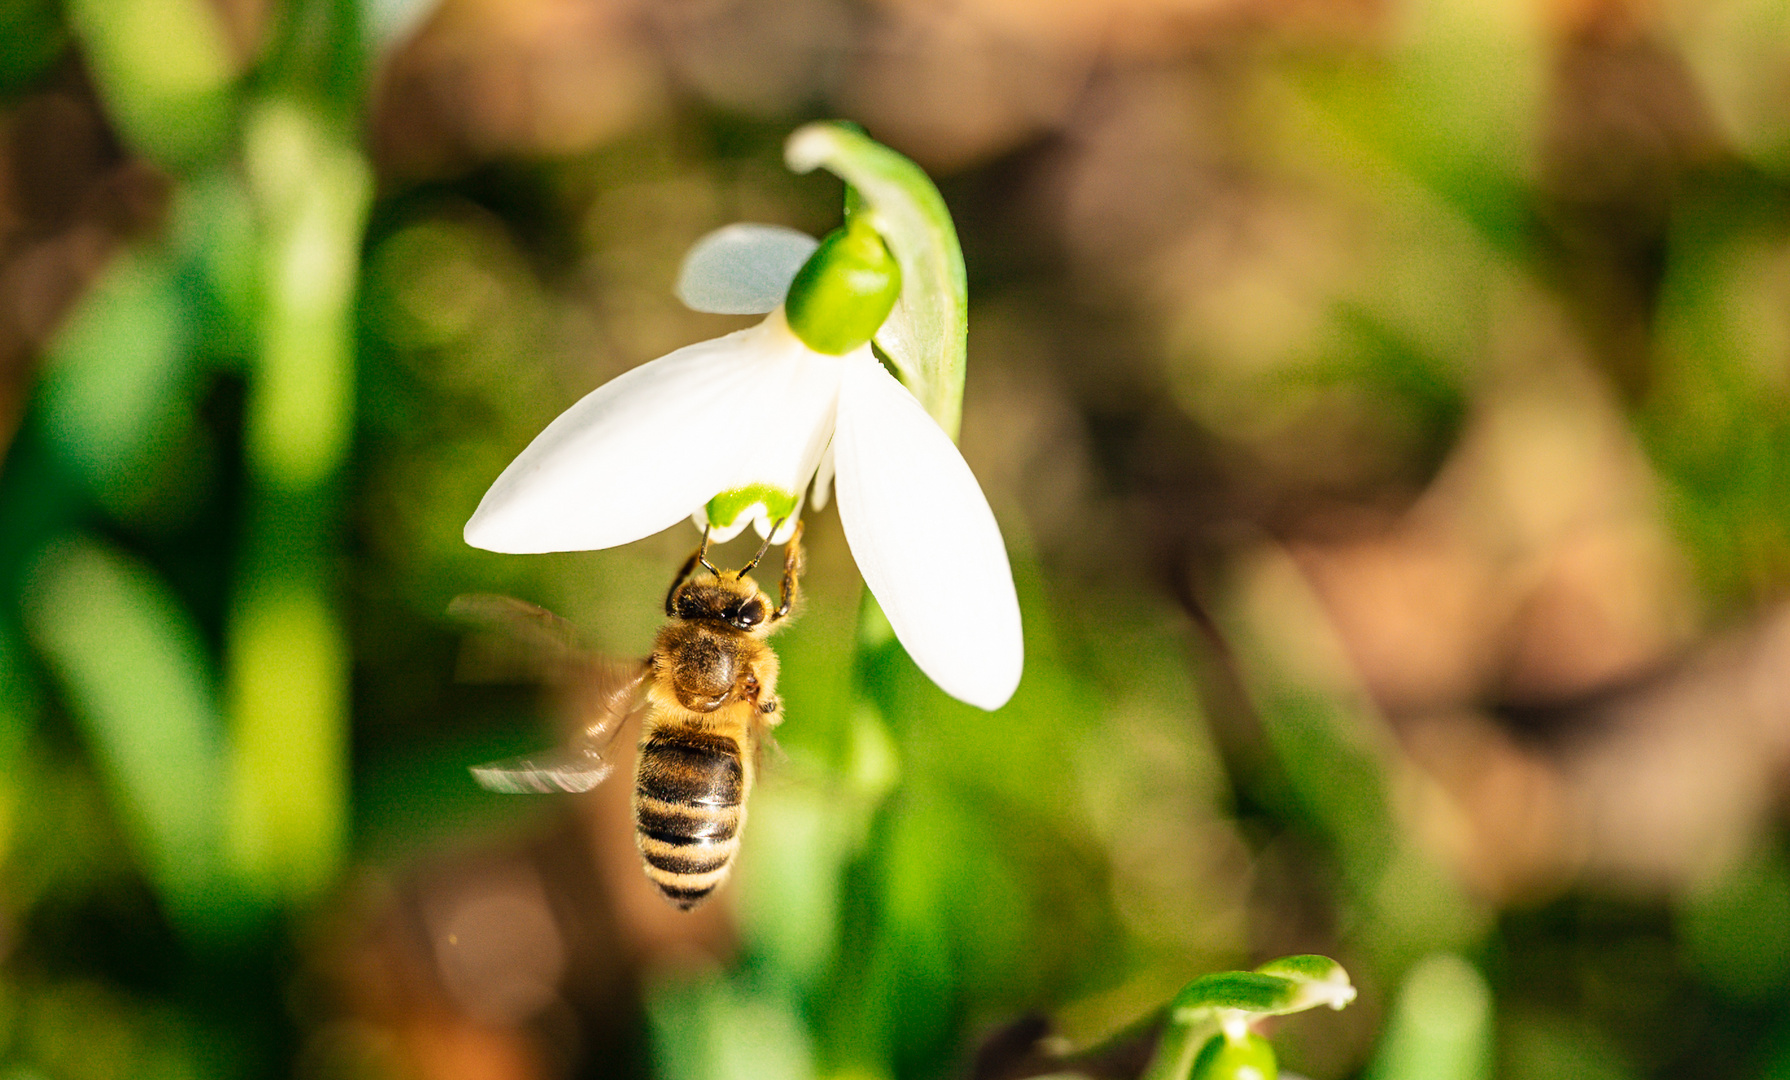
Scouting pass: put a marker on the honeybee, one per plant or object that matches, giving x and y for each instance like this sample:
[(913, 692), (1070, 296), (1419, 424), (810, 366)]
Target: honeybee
[(709, 690)]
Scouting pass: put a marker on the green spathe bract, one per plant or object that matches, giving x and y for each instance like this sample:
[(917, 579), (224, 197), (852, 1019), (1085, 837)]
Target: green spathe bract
[(842, 295), (926, 333)]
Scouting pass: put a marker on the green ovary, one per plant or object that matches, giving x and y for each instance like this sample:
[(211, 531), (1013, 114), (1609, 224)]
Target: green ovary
[(844, 292), (725, 509)]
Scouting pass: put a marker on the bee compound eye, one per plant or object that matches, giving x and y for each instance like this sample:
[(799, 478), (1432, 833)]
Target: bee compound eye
[(752, 614)]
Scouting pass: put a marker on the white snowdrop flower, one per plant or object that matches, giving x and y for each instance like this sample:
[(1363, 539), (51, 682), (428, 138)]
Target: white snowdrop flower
[(742, 429)]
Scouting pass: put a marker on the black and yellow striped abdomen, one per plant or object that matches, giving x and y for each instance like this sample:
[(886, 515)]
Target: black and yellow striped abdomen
[(689, 805)]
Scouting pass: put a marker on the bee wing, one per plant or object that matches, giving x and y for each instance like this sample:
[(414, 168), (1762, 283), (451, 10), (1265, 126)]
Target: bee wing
[(769, 748), (566, 769), (583, 765), (516, 641)]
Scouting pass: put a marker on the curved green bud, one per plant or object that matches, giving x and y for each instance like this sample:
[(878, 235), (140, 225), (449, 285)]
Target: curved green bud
[(1319, 980), (842, 295), (1236, 991), (1224, 1058), (1226, 1002)]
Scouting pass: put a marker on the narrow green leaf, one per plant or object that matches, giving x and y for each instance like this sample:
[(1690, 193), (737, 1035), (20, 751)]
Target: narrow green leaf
[(18, 714), (164, 69), (311, 188), (926, 336), (288, 703), (287, 654), (112, 378), (134, 670), (1441, 1025)]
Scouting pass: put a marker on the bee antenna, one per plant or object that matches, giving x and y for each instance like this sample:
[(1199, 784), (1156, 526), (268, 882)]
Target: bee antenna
[(762, 548), (702, 553)]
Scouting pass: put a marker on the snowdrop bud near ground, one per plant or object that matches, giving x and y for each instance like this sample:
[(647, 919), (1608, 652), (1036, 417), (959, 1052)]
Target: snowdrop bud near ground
[(918, 524), (1208, 1030)]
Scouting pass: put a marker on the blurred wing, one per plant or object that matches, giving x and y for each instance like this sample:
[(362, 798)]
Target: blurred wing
[(515, 641), (769, 748), (608, 697), (568, 769), (519, 640), (582, 765)]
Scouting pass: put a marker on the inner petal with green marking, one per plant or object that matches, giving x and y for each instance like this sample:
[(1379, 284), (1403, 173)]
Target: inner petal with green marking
[(725, 509)]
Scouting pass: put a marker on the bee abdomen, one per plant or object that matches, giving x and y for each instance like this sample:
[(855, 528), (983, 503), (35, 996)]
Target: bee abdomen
[(688, 808)]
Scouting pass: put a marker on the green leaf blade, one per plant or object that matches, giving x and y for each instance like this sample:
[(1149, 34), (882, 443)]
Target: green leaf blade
[(136, 676)]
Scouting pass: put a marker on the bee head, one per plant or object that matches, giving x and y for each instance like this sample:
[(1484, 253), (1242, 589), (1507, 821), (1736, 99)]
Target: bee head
[(728, 597)]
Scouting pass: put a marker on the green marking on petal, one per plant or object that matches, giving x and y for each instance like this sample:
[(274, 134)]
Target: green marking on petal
[(725, 509)]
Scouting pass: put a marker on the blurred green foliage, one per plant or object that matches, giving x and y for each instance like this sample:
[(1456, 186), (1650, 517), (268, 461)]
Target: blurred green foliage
[(230, 526)]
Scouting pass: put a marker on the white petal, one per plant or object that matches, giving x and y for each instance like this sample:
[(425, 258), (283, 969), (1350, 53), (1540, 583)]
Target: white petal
[(925, 539), (777, 437), (718, 534), (899, 338), (635, 455), (742, 269), (786, 531), (823, 479), (777, 434)]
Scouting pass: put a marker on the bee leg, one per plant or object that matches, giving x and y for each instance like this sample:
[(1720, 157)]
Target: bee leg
[(792, 569), (770, 704)]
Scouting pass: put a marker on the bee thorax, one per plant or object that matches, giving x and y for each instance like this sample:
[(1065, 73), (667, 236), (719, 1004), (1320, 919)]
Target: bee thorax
[(702, 673)]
